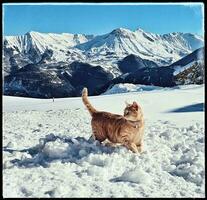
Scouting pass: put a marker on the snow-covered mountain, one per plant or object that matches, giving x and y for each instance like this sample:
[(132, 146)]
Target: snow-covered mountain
[(45, 40), (62, 80), (162, 49), (105, 50), (60, 65), (29, 48)]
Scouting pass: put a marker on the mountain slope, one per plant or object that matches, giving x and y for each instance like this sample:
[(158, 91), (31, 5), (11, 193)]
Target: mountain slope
[(198, 54), (132, 63), (56, 80), (188, 70)]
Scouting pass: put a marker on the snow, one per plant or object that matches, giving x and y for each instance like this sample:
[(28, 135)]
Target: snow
[(47, 151)]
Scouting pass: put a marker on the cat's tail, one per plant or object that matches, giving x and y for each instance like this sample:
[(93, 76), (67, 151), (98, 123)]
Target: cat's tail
[(88, 105)]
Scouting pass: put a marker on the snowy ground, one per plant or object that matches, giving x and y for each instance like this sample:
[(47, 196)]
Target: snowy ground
[(47, 153)]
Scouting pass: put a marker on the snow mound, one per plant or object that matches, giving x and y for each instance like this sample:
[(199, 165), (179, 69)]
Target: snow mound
[(136, 175), (53, 148), (56, 149), (128, 87)]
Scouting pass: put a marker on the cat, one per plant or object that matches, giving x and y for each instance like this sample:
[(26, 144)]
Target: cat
[(126, 130)]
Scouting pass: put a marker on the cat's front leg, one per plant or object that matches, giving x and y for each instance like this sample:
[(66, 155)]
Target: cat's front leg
[(131, 146), (140, 147)]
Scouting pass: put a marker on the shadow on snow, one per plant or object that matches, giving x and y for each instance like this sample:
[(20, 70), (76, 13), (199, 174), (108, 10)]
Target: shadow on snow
[(199, 107)]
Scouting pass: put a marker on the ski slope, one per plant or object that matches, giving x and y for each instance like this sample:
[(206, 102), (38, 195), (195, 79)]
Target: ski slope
[(47, 151)]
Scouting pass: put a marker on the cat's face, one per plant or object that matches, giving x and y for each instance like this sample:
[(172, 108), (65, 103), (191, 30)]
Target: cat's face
[(133, 111)]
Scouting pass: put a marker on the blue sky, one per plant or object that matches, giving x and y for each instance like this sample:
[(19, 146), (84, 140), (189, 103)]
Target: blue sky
[(101, 19)]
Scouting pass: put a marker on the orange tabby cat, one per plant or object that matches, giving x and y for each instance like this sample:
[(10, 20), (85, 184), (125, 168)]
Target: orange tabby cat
[(127, 130)]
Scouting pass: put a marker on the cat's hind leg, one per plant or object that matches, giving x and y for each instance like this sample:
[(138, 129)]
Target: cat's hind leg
[(98, 135)]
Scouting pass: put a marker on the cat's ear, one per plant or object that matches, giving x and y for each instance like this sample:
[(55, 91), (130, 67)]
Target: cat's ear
[(135, 105)]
